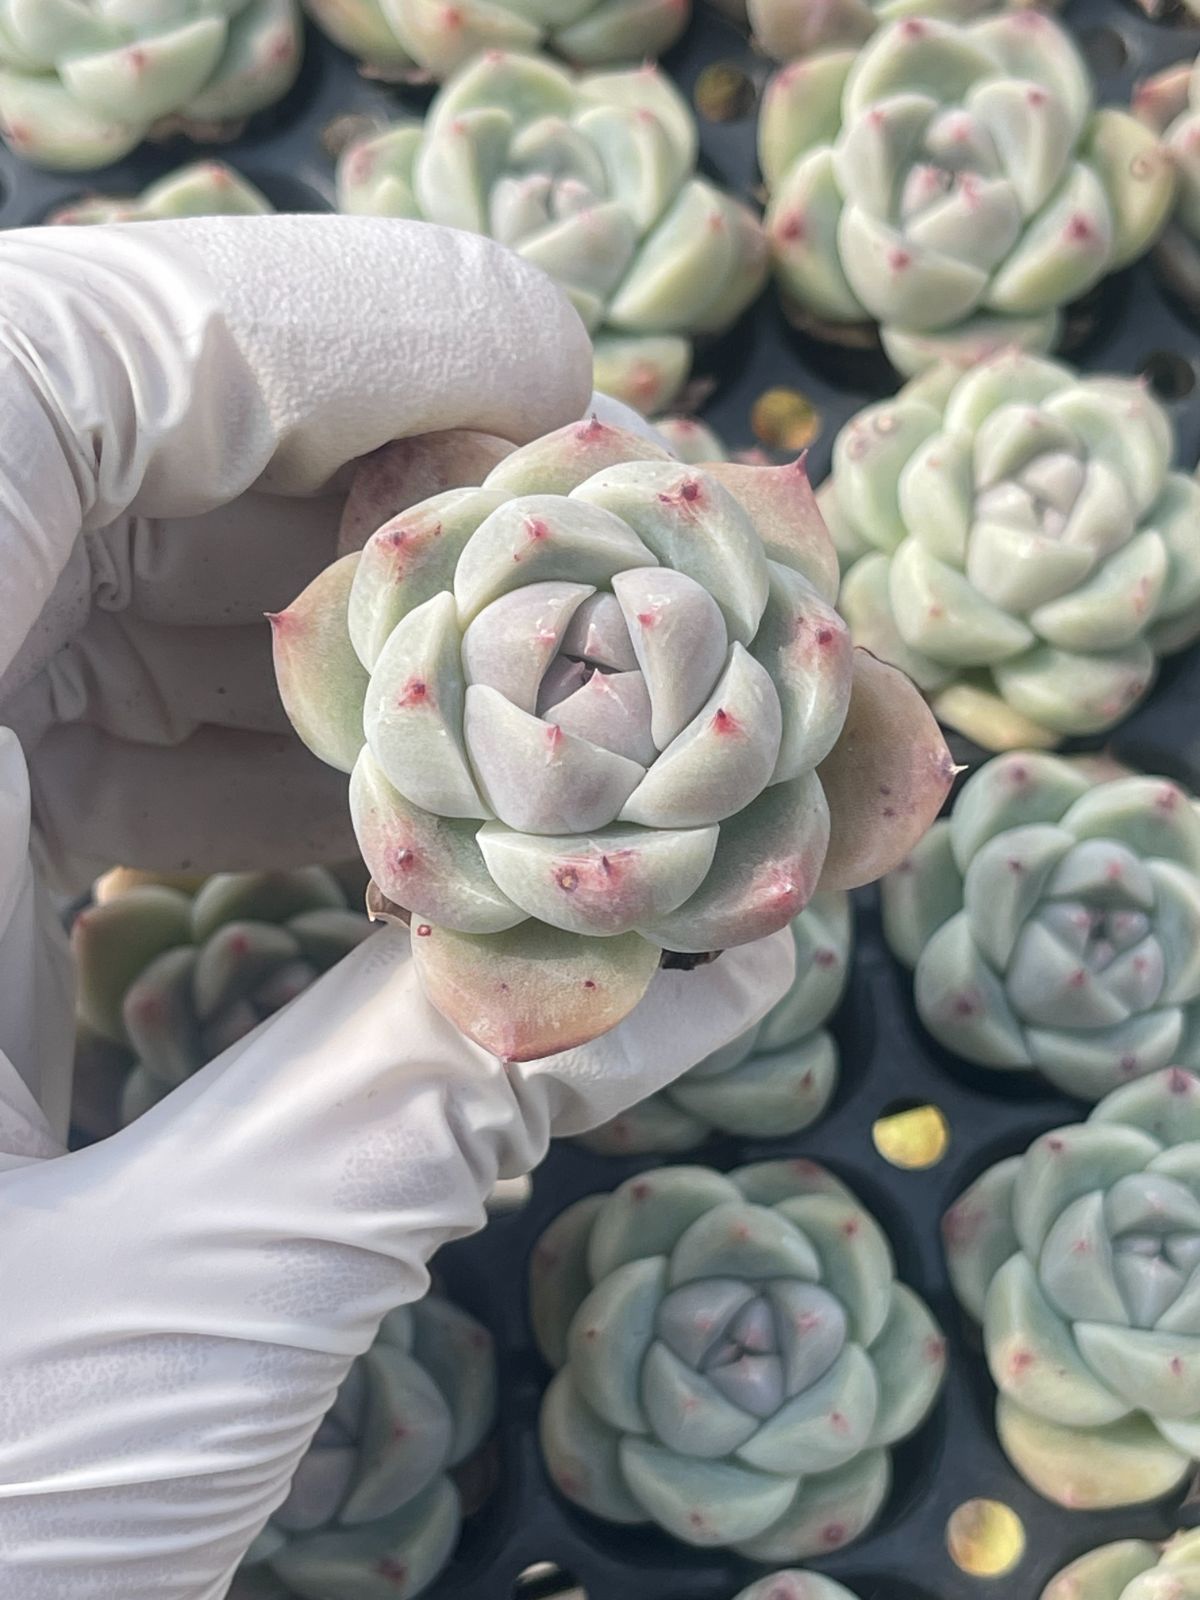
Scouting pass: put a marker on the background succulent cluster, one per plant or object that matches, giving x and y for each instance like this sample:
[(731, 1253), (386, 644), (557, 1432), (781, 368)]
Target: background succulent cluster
[(1127, 321)]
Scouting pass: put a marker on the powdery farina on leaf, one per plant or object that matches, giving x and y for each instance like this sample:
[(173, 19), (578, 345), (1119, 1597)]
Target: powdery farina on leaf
[(598, 708), (372, 1512), (82, 84), (593, 179), (735, 1357), (1133, 1569), (771, 1081), (1014, 539), (1080, 1260), (955, 184), (1054, 922), (428, 38)]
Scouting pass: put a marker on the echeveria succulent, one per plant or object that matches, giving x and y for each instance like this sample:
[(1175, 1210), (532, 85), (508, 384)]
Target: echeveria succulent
[(1015, 540), (1169, 103), (955, 184), (204, 189), (372, 1513), (771, 1081), (593, 179), (1133, 1569), (175, 978), (794, 1585), (734, 1357), (84, 81), (785, 29), (1080, 1260), (600, 708), (403, 38), (1054, 922)]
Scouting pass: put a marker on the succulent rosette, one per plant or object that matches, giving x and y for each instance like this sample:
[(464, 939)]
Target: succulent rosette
[(773, 1080), (408, 38), (1054, 922), (955, 184), (593, 179), (82, 82), (1133, 1569), (1169, 103), (1080, 1260), (373, 1512), (172, 978), (796, 1585), (204, 189), (734, 1357), (1014, 539), (598, 709)]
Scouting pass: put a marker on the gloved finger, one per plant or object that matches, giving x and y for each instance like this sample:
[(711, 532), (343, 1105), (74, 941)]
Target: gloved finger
[(228, 566), (221, 801), (150, 683), (165, 369), (682, 1017)]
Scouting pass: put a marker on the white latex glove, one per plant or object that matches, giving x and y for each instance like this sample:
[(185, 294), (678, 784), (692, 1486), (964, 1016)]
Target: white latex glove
[(181, 1302)]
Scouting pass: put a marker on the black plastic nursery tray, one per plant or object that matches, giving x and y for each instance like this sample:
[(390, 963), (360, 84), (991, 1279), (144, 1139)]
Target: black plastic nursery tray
[(527, 1542)]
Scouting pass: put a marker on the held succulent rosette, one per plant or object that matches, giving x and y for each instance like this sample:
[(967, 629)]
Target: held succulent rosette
[(1169, 103), (407, 38), (1080, 1260), (372, 1513), (1014, 540), (593, 179), (600, 708), (954, 184), (175, 978), (734, 1357), (84, 81), (771, 1081), (204, 189), (1054, 922), (1133, 1569)]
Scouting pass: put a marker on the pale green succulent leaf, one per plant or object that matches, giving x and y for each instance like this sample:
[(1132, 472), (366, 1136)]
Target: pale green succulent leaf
[(583, 1454)]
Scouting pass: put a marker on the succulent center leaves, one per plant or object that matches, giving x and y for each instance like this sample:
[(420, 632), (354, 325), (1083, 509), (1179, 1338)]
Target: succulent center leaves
[(1091, 953), (1123, 1256), (758, 1345)]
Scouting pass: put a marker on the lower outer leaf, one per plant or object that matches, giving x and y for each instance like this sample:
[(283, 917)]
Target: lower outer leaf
[(408, 471), (321, 681), (532, 990), (1092, 1469), (1103, 1574), (885, 779), (829, 1510)]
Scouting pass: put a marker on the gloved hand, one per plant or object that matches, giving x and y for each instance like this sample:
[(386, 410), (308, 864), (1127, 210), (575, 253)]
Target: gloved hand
[(181, 1302)]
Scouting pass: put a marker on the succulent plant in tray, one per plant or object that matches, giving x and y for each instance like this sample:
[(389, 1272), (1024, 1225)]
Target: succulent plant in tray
[(954, 184), (1169, 103), (203, 189), (172, 977), (734, 1357), (593, 179), (373, 1512), (1015, 540), (598, 709), (1053, 922), (795, 1585), (771, 1081), (1081, 1260), (428, 38), (83, 82), (1133, 1569)]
